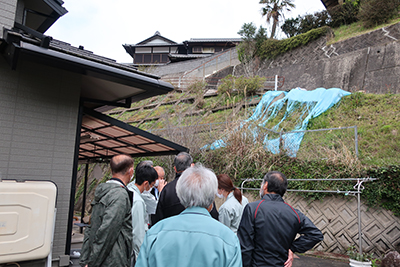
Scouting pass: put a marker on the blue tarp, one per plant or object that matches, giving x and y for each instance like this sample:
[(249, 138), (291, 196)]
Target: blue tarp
[(310, 103)]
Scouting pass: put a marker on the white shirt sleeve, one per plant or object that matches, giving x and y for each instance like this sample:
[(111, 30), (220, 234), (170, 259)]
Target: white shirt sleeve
[(138, 224)]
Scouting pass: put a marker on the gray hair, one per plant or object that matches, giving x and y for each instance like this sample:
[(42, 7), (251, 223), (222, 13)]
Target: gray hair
[(197, 187), (182, 161)]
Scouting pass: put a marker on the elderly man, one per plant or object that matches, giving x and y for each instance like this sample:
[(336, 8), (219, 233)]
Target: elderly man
[(192, 238), (160, 182), (269, 227), (108, 239)]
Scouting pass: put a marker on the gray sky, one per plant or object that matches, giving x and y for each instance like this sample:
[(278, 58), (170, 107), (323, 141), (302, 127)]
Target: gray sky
[(102, 26)]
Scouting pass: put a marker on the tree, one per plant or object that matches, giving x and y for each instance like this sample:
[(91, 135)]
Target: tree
[(291, 27), (273, 9), (247, 49)]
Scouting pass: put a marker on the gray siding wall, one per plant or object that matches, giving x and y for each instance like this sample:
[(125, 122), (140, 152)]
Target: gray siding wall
[(39, 111), (7, 14)]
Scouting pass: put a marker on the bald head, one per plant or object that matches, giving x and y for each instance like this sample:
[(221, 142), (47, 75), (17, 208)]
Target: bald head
[(160, 171), (120, 164)]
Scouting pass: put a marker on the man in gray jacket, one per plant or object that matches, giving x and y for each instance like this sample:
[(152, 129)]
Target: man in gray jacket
[(108, 239)]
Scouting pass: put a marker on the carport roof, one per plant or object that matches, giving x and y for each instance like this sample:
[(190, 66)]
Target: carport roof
[(102, 137)]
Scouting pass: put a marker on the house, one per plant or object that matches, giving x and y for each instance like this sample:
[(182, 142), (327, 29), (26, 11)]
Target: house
[(331, 3), (159, 50), (51, 98)]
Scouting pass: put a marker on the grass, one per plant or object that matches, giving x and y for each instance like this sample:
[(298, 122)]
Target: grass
[(376, 117), (355, 29)]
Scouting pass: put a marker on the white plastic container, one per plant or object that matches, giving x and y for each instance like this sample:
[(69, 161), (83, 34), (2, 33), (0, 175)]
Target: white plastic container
[(27, 213), (354, 263)]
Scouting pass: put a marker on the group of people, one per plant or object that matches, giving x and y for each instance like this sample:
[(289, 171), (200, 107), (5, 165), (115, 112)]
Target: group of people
[(149, 222)]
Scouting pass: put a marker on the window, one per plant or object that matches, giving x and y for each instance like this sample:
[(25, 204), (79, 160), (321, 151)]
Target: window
[(165, 58), (147, 59), (208, 50), (143, 50), (138, 59), (197, 49)]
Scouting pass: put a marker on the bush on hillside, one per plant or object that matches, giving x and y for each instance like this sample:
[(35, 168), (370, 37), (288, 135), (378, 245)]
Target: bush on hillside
[(385, 192), (198, 88), (303, 24), (376, 12), (244, 86), (344, 14), (272, 48), (249, 86), (227, 85)]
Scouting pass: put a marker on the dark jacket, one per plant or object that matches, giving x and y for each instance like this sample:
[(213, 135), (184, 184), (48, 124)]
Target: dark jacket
[(169, 205), (108, 239), (268, 230)]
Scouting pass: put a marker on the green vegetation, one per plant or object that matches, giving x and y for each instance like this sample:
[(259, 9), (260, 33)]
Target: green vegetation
[(376, 117), (242, 86), (378, 140), (273, 10), (329, 154), (272, 48), (355, 29)]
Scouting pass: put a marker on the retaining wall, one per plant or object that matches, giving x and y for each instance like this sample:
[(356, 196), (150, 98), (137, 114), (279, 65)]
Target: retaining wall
[(336, 217)]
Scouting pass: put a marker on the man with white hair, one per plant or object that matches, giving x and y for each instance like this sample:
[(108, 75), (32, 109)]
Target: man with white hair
[(192, 238)]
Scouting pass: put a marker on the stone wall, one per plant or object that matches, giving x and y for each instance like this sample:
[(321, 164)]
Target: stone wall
[(336, 217), (369, 62)]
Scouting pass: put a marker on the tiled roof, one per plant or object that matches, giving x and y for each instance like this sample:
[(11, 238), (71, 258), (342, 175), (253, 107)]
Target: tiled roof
[(188, 56), (67, 48), (214, 40)]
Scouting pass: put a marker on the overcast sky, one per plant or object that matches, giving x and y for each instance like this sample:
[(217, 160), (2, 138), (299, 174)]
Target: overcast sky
[(103, 26)]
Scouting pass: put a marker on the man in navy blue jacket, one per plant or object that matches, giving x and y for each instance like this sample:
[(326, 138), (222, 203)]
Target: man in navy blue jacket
[(269, 227)]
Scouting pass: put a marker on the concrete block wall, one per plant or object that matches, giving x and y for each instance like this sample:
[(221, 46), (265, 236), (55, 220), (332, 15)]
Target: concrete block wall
[(7, 14), (336, 217), (228, 57), (39, 112), (370, 62)]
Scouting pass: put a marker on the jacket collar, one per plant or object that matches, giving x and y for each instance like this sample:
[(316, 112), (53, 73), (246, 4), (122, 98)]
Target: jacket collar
[(196, 210), (230, 195), (272, 197)]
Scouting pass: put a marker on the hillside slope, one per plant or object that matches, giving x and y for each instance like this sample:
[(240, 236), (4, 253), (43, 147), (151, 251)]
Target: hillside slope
[(177, 117)]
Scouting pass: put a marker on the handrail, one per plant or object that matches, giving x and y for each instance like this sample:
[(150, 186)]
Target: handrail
[(217, 56)]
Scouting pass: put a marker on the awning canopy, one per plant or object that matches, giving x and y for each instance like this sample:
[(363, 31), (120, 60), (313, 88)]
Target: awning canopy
[(102, 137)]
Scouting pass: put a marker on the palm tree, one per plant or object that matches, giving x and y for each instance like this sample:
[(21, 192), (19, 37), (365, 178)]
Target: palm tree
[(273, 10)]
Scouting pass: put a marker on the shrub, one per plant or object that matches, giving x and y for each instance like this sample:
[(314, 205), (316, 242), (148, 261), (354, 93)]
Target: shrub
[(344, 14), (385, 192), (198, 89), (375, 12), (249, 86), (272, 48), (244, 86), (227, 85)]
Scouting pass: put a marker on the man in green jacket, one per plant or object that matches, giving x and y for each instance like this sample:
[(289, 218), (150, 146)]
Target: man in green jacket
[(108, 239)]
